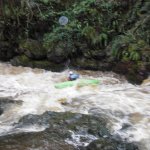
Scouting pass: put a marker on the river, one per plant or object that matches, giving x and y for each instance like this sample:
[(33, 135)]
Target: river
[(126, 104)]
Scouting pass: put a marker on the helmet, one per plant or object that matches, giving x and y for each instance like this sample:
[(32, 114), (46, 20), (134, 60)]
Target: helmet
[(70, 72)]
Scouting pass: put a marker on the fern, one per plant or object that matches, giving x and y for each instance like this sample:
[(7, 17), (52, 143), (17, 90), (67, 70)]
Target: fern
[(134, 55), (89, 32)]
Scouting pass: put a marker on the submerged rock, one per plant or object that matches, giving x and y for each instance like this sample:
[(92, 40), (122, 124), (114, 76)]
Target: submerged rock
[(58, 133), (6, 103)]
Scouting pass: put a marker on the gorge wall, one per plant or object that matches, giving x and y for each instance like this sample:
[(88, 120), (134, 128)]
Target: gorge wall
[(100, 35)]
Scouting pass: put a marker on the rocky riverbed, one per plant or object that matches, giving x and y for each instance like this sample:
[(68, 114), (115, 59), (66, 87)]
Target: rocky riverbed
[(64, 131)]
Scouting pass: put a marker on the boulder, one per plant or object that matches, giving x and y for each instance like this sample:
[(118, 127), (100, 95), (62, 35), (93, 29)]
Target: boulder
[(6, 103), (110, 144), (91, 64), (135, 73), (23, 60), (60, 128), (6, 51), (59, 53), (33, 49)]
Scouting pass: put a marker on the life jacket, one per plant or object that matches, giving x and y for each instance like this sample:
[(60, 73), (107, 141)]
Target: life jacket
[(73, 76)]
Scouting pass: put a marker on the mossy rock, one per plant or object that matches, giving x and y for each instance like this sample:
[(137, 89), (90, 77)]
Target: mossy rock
[(134, 72), (91, 64), (20, 61), (45, 64), (33, 49), (60, 51), (23, 60)]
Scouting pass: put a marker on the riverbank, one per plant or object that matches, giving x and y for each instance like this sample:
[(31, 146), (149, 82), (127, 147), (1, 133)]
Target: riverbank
[(100, 35)]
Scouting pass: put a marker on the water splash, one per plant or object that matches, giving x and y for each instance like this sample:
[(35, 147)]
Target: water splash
[(127, 105)]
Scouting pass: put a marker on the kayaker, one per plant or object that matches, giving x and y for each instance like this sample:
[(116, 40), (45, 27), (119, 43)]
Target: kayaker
[(72, 76)]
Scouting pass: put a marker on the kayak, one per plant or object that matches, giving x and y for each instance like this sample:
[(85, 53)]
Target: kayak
[(79, 82)]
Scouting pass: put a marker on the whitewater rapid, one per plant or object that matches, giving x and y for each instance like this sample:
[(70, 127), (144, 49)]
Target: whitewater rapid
[(127, 105)]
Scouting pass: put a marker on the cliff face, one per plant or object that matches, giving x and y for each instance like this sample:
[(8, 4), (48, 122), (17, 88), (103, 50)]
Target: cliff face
[(100, 35)]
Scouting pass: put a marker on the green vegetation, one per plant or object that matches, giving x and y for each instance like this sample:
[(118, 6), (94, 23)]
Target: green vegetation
[(116, 29), (126, 47)]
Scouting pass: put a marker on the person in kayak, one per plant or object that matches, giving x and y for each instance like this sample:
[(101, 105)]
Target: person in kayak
[(72, 76)]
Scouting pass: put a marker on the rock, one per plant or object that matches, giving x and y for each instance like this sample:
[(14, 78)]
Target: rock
[(20, 61), (148, 67), (43, 64), (59, 129), (135, 73), (6, 51), (91, 64), (97, 47), (33, 49), (40, 141), (59, 53), (146, 81), (109, 144), (125, 126), (6, 103)]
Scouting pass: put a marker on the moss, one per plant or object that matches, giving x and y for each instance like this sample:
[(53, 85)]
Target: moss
[(91, 64), (33, 49), (110, 30), (48, 65), (21, 61)]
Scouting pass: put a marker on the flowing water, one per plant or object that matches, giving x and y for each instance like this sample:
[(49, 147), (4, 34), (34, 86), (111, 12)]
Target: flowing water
[(127, 105)]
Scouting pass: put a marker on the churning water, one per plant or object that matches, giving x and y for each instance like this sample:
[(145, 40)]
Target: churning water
[(127, 105)]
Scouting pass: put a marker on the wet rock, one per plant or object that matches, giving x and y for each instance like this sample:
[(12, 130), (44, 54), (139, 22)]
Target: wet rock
[(109, 144), (43, 64), (126, 126), (59, 127), (38, 141), (1, 111), (6, 103), (146, 82), (133, 72), (92, 64)]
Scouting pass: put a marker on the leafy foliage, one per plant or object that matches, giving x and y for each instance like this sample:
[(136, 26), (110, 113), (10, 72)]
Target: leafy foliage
[(98, 23), (127, 48)]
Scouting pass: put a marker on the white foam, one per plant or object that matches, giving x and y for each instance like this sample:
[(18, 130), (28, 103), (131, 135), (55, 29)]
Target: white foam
[(112, 97)]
